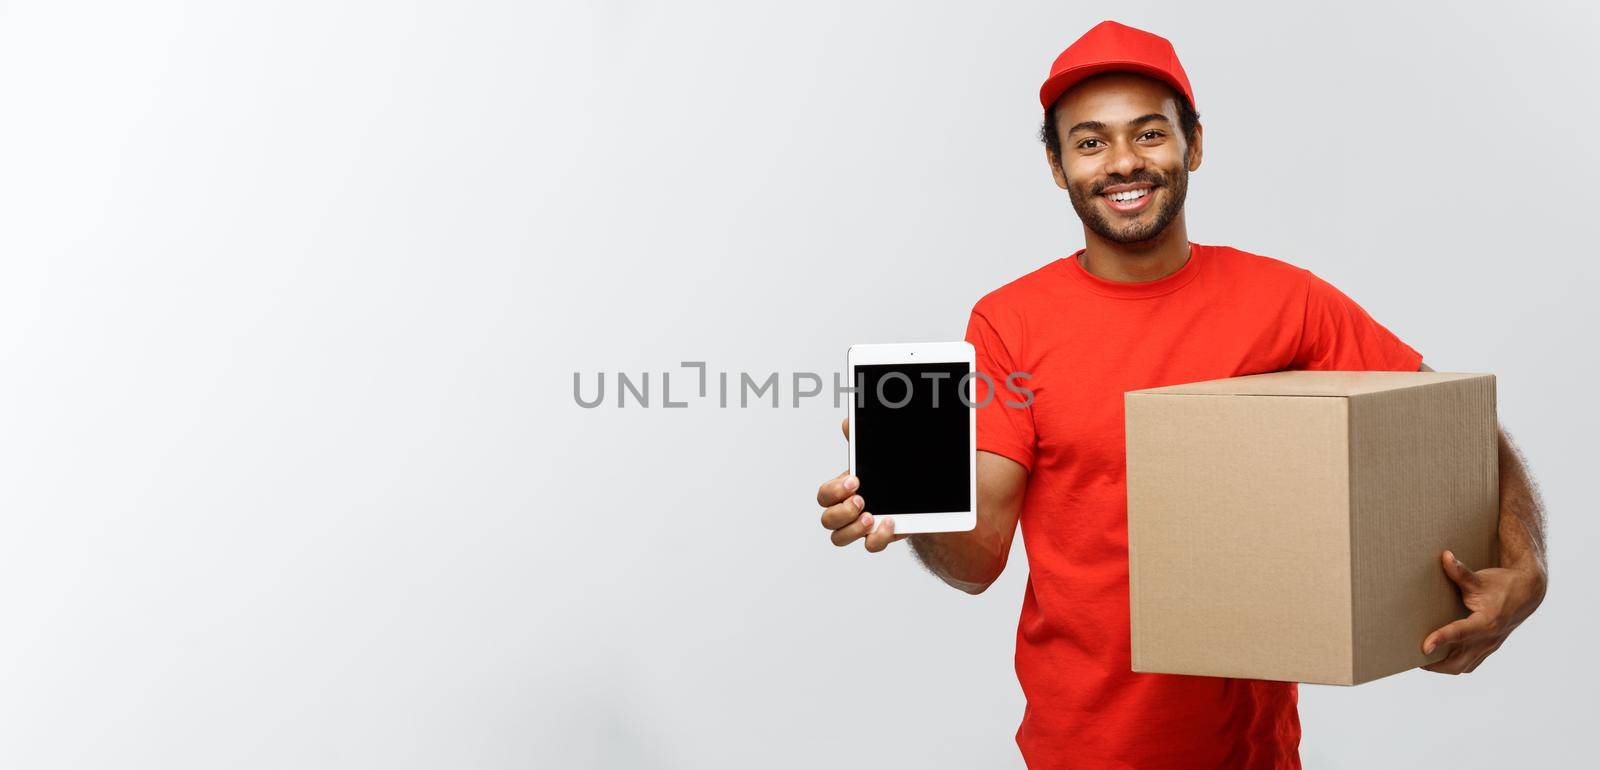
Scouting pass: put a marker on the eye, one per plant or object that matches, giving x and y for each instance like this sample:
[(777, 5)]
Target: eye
[(1152, 132), (1083, 145)]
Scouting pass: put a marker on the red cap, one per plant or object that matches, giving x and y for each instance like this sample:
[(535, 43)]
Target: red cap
[(1113, 47)]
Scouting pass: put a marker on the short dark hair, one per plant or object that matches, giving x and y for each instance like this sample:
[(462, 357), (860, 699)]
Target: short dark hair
[(1188, 123)]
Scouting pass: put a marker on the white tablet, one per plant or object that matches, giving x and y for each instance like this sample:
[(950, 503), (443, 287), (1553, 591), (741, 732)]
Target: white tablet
[(914, 433)]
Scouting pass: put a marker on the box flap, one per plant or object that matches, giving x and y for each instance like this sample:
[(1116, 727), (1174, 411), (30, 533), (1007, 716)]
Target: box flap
[(1304, 383)]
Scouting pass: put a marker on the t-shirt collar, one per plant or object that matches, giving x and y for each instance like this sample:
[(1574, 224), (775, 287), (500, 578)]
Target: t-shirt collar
[(1136, 289)]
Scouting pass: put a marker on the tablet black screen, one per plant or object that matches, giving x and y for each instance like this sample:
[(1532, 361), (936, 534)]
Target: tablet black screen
[(913, 448)]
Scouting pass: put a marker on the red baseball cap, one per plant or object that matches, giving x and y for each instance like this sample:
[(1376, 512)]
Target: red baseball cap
[(1113, 47)]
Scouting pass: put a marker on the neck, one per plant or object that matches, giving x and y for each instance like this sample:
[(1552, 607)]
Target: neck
[(1139, 261)]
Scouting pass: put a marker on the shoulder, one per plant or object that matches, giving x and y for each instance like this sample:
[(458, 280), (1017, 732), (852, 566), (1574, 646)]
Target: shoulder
[(1259, 275), (1250, 264)]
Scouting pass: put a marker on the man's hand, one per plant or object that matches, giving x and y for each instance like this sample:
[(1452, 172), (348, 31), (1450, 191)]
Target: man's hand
[(1499, 598), (970, 561), (844, 513)]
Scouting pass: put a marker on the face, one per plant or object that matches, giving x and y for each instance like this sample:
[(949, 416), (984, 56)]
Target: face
[(1124, 162)]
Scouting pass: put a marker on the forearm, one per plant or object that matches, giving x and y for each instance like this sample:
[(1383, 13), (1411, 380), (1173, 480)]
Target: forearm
[(970, 561), (1521, 530)]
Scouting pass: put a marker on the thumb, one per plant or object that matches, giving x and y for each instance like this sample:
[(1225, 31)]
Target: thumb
[(1465, 629), (1465, 578), (844, 425)]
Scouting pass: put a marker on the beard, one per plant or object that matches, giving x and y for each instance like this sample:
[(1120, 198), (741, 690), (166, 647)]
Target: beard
[(1143, 228)]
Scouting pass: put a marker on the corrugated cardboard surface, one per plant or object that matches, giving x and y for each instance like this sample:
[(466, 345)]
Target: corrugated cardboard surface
[(1230, 536), (1313, 383), (1424, 467), (1288, 525)]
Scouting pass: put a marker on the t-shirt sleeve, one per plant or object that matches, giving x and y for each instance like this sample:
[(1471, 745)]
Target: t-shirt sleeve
[(1004, 427), (1340, 336)]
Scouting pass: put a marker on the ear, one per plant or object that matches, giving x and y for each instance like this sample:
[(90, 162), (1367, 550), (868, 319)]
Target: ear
[(1197, 151), (1055, 168)]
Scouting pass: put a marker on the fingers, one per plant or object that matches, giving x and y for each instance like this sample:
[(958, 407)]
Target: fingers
[(852, 531), (1458, 572), (1457, 662), (844, 425), (1472, 628), (1473, 638), (842, 514), (845, 513), (836, 489), (1466, 658), (881, 536)]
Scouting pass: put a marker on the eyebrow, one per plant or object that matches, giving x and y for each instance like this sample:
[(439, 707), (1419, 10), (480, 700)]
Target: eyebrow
[(1095, 125)]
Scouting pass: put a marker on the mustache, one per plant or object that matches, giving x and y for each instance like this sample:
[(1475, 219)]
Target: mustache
[(1147, 178)]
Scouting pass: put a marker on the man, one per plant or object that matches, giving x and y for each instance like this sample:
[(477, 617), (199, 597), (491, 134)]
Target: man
[(1141, 306)]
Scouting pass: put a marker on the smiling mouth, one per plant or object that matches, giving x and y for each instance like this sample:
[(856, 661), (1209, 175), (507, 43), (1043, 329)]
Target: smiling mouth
[(1129, 200)]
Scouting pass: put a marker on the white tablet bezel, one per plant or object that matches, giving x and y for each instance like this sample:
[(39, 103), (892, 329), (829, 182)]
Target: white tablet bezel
[(922, 353)]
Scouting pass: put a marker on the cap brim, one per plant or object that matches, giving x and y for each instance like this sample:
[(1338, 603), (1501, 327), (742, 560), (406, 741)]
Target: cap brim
[(1058, 83)]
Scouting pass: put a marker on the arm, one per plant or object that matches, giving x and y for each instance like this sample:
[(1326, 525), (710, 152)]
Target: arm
[(1521, 516), (1501, 597), (970, 561)]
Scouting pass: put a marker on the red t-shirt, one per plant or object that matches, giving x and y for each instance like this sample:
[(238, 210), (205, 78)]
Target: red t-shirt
[(1086, 341)]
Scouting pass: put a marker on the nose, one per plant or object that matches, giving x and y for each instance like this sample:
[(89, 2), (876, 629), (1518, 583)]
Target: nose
[(1123, 159)]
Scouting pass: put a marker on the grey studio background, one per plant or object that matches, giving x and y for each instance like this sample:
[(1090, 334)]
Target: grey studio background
[(291, 297)]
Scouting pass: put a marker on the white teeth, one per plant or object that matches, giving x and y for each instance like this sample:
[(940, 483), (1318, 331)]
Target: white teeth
[(1129, 195)]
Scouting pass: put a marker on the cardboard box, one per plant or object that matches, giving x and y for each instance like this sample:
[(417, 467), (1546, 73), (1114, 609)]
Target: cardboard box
[(1288, 525)]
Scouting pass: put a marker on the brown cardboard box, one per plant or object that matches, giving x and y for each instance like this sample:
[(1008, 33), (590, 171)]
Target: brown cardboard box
[(1288, 525)]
